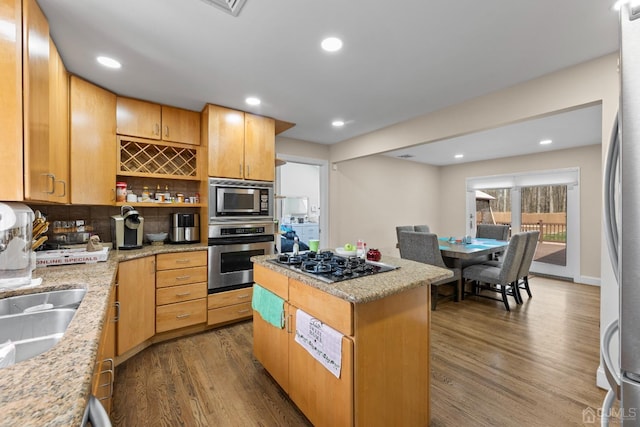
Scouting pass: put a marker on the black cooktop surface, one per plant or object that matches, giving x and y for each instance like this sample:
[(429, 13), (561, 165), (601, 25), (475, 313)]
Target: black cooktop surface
[(329, 267)]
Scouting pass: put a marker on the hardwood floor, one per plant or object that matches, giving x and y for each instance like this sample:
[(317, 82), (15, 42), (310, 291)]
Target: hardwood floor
[(534, 366)]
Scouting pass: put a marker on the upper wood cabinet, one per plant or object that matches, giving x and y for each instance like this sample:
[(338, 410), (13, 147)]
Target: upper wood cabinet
[(58, 126), (92, 143), (153, 121), (11, 171), (38, 180), (241, 145)]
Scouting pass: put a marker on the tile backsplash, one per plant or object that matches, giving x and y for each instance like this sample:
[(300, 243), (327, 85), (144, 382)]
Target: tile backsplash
[(156, 220)]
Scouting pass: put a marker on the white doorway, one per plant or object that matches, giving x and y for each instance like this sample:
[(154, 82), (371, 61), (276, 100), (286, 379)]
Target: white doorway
[(544, 200), (302, 198)]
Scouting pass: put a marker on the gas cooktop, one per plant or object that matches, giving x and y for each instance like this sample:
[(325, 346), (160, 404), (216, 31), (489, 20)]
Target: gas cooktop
[(330, 268)]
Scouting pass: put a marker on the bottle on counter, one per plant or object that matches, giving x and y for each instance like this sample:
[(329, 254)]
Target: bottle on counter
[(296, 246), (364, 251), (360, 252), (145, 194)]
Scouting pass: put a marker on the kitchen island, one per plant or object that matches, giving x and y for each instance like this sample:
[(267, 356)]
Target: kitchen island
[(382, 325)]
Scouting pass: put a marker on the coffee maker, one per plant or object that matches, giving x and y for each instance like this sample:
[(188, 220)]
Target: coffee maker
[(126, 229)]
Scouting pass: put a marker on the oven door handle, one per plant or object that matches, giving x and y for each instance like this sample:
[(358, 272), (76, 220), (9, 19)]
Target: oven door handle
[(239, 240)]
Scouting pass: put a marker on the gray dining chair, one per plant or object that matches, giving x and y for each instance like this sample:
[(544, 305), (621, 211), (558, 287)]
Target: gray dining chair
[(424, 248), (401, 228), (502, 279), (493, 231), (525, 266)]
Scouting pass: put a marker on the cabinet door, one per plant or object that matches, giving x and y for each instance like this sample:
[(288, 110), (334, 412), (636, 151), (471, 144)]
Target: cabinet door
[(138, 118), (225, 138), (179, 125), (136, 296), (38, 183), (324, 399), (11, 101), (58, 126), (259, 148), (271, 347), (105, 370), (92, 143)]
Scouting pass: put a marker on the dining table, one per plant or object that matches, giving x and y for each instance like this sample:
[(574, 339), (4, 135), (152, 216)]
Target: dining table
[(454, 251)]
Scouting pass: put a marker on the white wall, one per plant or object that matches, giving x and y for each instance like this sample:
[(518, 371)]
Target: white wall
[(301, 180), (370, 196)]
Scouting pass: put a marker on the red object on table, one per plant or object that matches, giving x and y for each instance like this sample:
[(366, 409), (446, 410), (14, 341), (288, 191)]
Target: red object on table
[(374, 255)]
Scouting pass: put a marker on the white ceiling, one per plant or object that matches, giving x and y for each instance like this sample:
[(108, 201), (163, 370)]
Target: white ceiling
[(566, 130), (400, 59)]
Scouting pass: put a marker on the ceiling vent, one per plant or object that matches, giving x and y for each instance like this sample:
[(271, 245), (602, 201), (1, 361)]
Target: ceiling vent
[(230, 6), (405, 156)]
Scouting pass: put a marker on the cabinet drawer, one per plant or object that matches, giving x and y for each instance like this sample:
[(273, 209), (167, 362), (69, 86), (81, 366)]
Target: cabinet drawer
[(269, 279), (230, 313), (182, 276), (181, 260), (181, 293), (179, 315), (224, 299), (331, 310)]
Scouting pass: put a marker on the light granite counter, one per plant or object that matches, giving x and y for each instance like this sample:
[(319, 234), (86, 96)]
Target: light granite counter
[(409, 275), (53, 388)]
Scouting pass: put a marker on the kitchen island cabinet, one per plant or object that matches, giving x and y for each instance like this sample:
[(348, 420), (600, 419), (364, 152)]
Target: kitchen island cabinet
[(384, 320)]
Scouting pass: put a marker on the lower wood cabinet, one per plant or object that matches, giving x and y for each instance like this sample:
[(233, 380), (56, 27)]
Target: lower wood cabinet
[(104, 374), (181, 294), (137, 300), (225, 307)]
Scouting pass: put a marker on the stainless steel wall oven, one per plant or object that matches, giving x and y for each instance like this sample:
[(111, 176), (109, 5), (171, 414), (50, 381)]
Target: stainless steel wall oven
[(231, 246)]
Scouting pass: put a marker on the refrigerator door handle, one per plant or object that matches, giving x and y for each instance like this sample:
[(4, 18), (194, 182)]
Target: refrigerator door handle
[(612, 377), (610, 185)]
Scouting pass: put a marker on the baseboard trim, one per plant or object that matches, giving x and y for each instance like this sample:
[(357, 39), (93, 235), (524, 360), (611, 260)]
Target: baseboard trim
[(587, 280)]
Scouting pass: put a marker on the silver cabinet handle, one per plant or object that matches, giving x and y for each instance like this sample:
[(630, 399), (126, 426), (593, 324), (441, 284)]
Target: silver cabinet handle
[(52, 179), (64, 188), (182, 261), (117, 316), (183, 294), (156, 129), (248, 170), (166, 131), (243, 296), (246, 310), (183, 316), (183, 277), (240, 169)]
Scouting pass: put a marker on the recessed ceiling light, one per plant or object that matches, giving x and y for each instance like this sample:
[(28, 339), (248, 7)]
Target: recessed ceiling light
[(546, 142), (337, 123), (108, 62), (252, 100), (331, 44), (459, 156)]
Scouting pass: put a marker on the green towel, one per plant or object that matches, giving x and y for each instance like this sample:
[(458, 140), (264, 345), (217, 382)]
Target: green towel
[(269, 305)]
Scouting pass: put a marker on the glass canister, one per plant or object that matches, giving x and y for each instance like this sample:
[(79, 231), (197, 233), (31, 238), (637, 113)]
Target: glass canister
[(121, 191), (16, 227)]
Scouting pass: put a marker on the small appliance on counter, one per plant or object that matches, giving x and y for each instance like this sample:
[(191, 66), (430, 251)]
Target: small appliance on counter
[(185, 228), (127, 229), (16, 261)]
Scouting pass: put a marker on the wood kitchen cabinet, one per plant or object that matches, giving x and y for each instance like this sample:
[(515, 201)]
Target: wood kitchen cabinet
[(92, 144), (38, 181), (154, 121), (384, 377), (104, 375), (136, 300), (181, 290), (230, 306), (58, 127), (11, 170), (241, 145)]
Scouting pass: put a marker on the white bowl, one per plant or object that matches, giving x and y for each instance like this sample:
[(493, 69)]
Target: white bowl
[(157, 237), (341, 251)]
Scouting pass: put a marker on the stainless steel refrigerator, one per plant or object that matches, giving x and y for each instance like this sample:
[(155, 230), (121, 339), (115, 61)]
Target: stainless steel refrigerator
[(622, 225)]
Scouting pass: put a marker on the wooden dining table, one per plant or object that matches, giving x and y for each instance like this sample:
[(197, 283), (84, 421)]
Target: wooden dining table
[(455, 252)]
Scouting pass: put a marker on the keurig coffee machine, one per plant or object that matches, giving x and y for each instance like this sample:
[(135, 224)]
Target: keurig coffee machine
[(126, 229)]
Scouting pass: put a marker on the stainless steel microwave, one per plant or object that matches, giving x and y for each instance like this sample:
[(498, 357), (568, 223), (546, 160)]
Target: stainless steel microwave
[(234, 199)]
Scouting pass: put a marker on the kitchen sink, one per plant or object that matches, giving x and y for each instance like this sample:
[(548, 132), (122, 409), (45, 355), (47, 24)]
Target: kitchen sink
[(36, 332), (67, 298)]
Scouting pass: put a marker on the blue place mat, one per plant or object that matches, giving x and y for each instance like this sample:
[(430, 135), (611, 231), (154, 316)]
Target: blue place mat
[(444, 248), (485, 239), (477, 246), (444, 239)]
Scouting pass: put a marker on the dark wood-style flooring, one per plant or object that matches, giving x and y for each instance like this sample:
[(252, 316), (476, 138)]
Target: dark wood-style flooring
[(534, 366)]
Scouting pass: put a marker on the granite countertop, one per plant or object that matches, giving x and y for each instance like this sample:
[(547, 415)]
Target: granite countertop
[(53, 388), (409, 275)]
